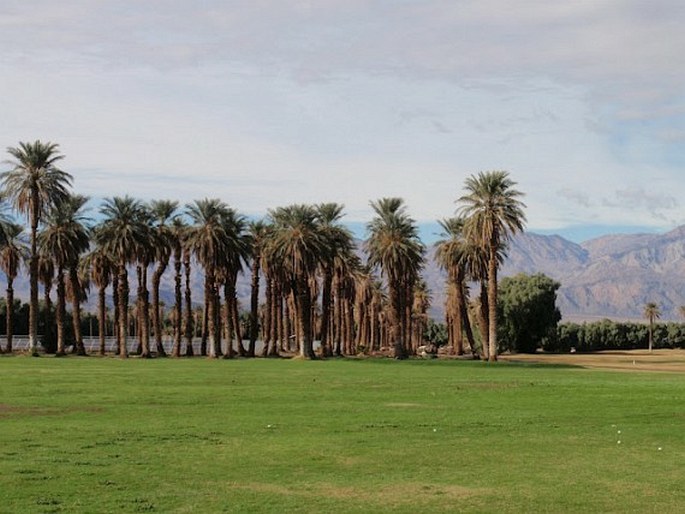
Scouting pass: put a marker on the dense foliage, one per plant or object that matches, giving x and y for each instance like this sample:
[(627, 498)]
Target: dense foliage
[(614, 335), (528, 312)]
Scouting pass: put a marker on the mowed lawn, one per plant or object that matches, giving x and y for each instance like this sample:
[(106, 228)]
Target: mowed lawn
[(196, 435)]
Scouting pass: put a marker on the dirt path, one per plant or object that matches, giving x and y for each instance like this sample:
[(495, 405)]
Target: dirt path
[(632, 360)]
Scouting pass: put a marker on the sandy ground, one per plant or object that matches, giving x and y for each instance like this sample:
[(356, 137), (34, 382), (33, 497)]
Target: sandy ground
[(633, 360)]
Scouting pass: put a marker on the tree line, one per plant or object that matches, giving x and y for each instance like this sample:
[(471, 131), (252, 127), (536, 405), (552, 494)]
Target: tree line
[(317, 287)]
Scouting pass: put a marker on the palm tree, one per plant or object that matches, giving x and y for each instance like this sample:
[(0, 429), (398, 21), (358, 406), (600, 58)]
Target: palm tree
[(12, 252), (652, 313), (257, 234), (188, 320), (121, 233), (394, 246), (494, 213), (207, 238), (178, 226), (163, 214), (451, 255), (66, 236), (237, 252), (34, 185), (296, 244), (338, 245), (99, 266)]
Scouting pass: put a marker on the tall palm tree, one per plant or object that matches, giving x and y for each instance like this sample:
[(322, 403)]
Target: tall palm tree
[(494, 213), (122, 231), (177, 228), (99, 266), (652, 313), (451, 255), (207, 238), (66, 236), (393, 246), (12, 252), (257, 231), (237, 253), (296, 244), (163, 214), (34, 185), (338, 245)]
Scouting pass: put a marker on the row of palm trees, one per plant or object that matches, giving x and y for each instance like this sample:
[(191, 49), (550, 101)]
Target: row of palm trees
[(316, 286)]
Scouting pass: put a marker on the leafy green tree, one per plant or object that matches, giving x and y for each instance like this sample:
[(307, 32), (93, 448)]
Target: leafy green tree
[(435, 333), (527, 307), (34, 185), (652, 313), (494, 213)]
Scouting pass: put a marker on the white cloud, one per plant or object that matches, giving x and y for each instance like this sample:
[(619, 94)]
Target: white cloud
[(268, 102)]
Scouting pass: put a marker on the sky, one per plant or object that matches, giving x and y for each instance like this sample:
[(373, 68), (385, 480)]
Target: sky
[(265, 103)]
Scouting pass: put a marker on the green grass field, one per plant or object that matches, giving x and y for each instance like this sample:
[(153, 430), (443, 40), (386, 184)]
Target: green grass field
[(104, 435)]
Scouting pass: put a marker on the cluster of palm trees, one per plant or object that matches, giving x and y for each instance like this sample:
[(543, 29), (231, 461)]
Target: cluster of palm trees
[(316, 287), (473, 248)]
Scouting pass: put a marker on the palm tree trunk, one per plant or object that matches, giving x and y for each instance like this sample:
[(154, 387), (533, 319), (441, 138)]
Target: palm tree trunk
[(115, 321), (33, 275), (60, 314), (492, 303), (123, 311), (458, 312), (75, 286), (483, 325), (326, 312), (210, 313), (156, 311), (254, 307), (188, 323), (9, 314), (466, 323), (178, 302), (228, 323), (303, 296), (144, 312), (102, 315), (49, 322), (266, 324), (395, 324), (236, 324)]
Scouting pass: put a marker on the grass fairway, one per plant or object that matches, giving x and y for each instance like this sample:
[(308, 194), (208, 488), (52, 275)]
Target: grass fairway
[(104, 435)]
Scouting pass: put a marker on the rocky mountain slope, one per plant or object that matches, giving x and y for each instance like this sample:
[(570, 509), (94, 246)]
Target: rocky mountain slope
[(611, 276)]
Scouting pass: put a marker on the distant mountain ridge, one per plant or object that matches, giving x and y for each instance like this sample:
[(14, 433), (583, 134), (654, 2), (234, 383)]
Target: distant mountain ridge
[(612, 276)]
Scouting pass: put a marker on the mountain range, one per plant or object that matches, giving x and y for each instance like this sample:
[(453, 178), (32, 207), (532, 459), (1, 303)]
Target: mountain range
[(612, 276)]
